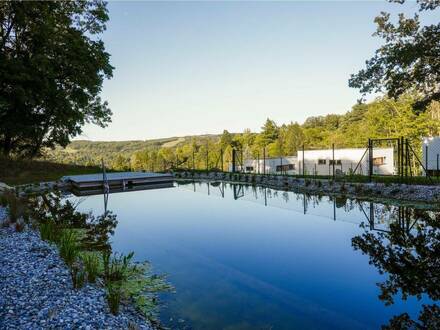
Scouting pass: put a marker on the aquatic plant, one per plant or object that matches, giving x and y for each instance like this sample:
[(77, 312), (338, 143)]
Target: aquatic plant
[(127, 280), (91, 263), (78, 275), (49, 231), (68, 246), (114, 296)]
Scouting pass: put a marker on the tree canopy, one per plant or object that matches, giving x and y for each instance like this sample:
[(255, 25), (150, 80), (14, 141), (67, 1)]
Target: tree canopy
[(409, 60), (52, 67)]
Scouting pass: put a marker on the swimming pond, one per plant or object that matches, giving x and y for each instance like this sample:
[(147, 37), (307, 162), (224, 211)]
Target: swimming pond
[(245, 257)]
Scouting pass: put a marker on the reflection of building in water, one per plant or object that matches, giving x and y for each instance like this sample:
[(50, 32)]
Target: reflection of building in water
[(376, 216)]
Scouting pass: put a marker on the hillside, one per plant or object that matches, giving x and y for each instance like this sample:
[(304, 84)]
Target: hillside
[(378, 119)]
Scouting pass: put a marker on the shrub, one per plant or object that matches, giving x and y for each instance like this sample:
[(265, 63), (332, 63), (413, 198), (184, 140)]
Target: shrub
[(69, 247)]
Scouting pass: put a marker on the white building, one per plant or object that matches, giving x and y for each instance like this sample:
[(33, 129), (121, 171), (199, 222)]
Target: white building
[(431, 155), (320, 162), (274, 165)]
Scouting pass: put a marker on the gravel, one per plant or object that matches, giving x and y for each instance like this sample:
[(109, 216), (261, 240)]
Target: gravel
[(377, 191), (36, 290)]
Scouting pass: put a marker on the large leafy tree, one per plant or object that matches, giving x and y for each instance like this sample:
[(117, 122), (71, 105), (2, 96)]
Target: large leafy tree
[(52, 67), (409, 60)]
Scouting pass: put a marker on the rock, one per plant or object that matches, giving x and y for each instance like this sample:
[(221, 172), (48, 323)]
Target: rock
[(36, 290)]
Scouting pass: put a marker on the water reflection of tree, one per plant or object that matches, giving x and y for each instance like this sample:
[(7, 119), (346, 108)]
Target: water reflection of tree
[(410, 256), (52, 207)]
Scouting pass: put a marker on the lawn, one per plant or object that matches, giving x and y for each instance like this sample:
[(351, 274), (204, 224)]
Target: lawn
[(15, 172)]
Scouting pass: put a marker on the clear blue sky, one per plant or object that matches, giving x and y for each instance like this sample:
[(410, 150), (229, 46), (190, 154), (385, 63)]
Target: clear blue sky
[(184, 68)]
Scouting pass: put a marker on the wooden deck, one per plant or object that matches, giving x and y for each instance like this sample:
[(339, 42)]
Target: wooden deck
[(117, 180)]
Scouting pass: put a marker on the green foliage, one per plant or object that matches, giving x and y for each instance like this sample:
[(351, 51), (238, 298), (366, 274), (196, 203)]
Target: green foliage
[(126, 280), (78, 275), (49, 231), (114, 297), (380, 118), (408, 61), (69, 246), (47, 94), (92, 264)]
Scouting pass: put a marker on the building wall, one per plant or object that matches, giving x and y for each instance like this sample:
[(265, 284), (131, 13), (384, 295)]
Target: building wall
[(430, 160), (272, 165), (319, 162)]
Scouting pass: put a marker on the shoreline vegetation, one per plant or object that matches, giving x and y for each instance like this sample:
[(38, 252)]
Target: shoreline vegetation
[(54, 258)]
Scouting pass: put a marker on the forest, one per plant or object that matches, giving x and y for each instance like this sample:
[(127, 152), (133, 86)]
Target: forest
[(382, 117)]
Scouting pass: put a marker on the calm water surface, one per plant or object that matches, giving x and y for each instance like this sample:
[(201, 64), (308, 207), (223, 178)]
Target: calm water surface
[(242, 257)]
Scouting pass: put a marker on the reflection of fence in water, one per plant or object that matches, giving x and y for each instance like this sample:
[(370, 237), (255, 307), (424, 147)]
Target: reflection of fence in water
[(377, 216)]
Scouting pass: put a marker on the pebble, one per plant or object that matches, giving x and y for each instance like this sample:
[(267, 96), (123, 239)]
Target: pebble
[(36, 290)]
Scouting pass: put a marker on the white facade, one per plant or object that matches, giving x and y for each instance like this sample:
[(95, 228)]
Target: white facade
[(431, 154), (320, 162), (278, 165)]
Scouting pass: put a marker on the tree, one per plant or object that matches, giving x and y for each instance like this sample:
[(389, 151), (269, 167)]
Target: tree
[(409, 255), (52, 67), (409, 61), (269, 132)]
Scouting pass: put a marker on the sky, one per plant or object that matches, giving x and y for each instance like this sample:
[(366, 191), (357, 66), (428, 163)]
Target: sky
[(187, 68)]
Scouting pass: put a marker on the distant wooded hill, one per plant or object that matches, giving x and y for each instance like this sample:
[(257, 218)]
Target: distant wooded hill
[(383, 117)]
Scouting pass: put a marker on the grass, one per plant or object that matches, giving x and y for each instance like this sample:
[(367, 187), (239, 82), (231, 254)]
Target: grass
[(92, 265), (69, 246), (16, 172)]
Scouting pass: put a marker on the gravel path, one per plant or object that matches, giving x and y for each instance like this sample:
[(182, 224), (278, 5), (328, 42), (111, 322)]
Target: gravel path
[(36, 290)]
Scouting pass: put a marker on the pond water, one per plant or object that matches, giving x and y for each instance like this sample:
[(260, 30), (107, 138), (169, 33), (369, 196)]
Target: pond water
[(243, 257)]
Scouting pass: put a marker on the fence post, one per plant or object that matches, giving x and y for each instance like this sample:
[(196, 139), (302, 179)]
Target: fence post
[(426, 159), (437, 164), (264, 160), (194, 162), (370, 159), (258, 163), (221, 159), (233, 160), (333, 156), (304, 164)]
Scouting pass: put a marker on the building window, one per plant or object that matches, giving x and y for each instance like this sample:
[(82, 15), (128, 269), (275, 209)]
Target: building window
[(377, 161), (337, 162), (284, 168), (322, 161), (249, 168)]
